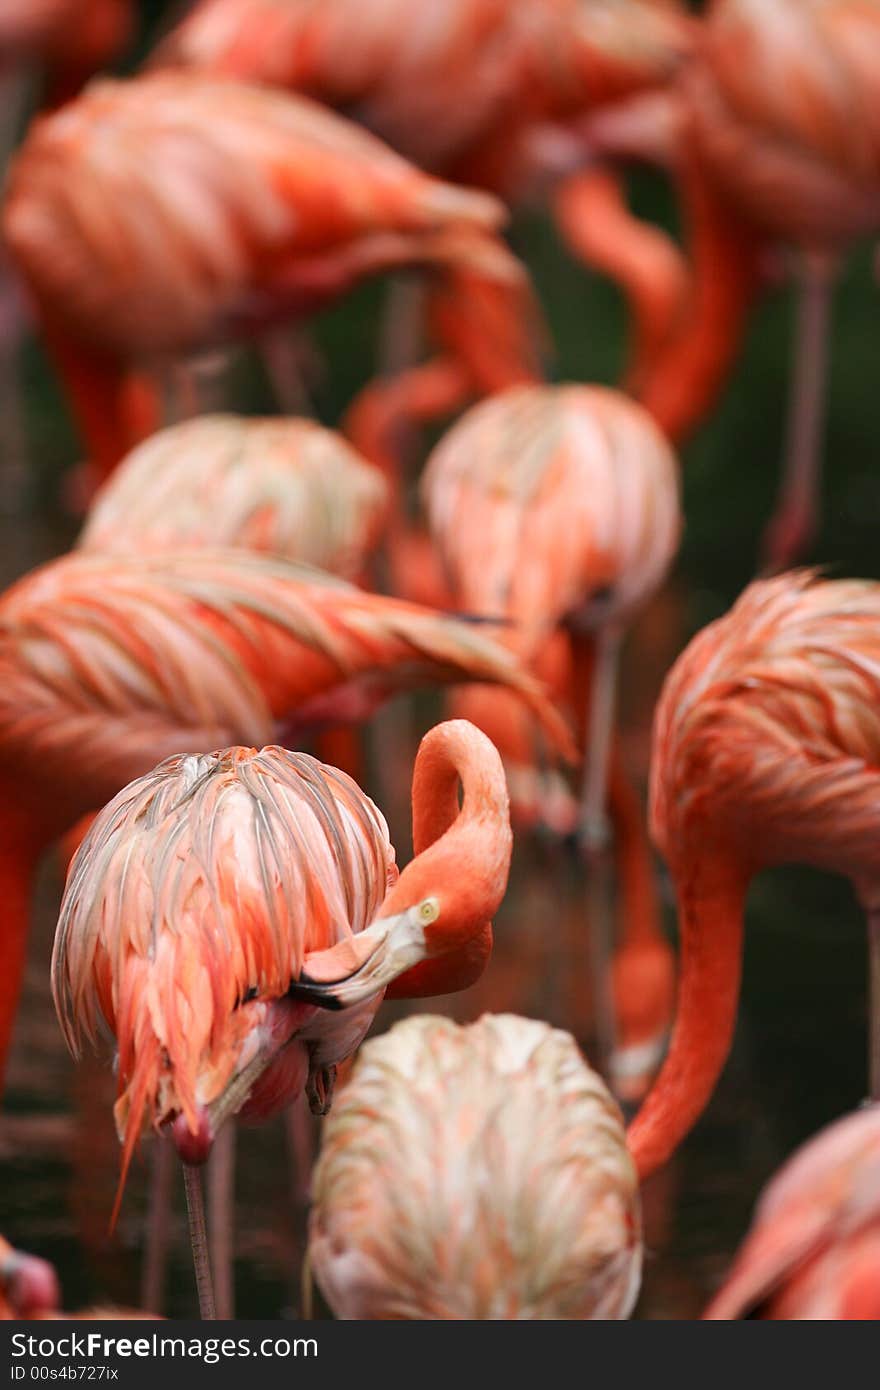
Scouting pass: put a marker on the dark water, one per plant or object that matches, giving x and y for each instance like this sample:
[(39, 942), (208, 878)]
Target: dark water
[(799, 1055)]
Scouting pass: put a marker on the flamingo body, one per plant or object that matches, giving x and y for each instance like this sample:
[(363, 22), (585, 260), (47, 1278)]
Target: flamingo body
[(475, 1172), (814, 1248)]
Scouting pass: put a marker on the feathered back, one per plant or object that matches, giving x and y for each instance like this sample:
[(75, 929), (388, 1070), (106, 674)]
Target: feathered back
[(158, 214), (286, 487), (617, 48), (477, 1172), (768, 728), (785, 113), (428, 81), (191, 903), (110, 662), (545, 497), (825, 1197)]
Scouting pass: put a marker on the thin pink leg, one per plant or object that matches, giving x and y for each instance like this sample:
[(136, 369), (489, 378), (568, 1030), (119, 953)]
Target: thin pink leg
[(793, 524), (221, 1207), (158, 1221), (195, 1206), (874, 1004), (301, 1146), (288, 356), (596, 842)]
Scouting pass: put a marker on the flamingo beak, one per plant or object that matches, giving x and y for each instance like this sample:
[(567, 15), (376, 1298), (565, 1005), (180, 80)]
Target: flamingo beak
[(363, 966)]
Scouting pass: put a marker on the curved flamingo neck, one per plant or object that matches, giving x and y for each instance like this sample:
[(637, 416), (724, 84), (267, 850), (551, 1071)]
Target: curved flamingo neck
[(689, 374), (472, 840), (643, 261), (712, 894), (641, 922), (20, 850)]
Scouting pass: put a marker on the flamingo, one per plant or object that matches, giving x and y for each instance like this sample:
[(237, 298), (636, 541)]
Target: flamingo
[(488, 93), (110, 663), (554, 505), (174, 212), (284, 486), (287, 487), (476, 1172), (775, 140), (814, 1248), (217, 896), (765, 751), (472, 92)]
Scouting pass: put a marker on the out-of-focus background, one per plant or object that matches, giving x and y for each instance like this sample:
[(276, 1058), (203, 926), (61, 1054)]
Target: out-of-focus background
[(799, 1057)]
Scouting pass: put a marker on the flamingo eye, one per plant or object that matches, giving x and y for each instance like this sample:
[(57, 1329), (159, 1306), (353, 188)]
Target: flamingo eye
[(429, 911)]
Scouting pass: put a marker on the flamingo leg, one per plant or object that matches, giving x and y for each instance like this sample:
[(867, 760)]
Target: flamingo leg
[(221, 1197), (874, 1004), (158, 1212), (794, 521), (300, 1143), (15, 97), (595, 835), (195, 1206), (287, 357)]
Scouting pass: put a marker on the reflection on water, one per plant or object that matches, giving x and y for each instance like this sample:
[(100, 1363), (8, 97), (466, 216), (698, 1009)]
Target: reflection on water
[(798, 1059)]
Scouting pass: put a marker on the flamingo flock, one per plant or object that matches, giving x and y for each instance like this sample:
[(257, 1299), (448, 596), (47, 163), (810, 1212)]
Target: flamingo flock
[(277, 626)]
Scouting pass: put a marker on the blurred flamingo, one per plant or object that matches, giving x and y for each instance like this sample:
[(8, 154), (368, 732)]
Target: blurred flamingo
[(552, 506), (61, 43), (777, 146), (766, 745), (486, 93), (110, 663), (233, 208), (287, 864), (813, 1252), (475, 1172), (284, 486)]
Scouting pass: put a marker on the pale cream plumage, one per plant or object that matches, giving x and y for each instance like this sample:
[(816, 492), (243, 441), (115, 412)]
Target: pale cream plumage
[(284, 486), (476, 1172), (545, 498)]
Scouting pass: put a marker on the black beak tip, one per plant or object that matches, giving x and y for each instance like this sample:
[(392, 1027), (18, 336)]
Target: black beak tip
[(311, 992)]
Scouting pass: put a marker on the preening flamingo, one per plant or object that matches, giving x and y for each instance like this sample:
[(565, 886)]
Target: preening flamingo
[(475, 1172), (814, 1248), (284, 486), (477, 92), (233, 207), (110, 663), (766, 747), (286, 864)]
